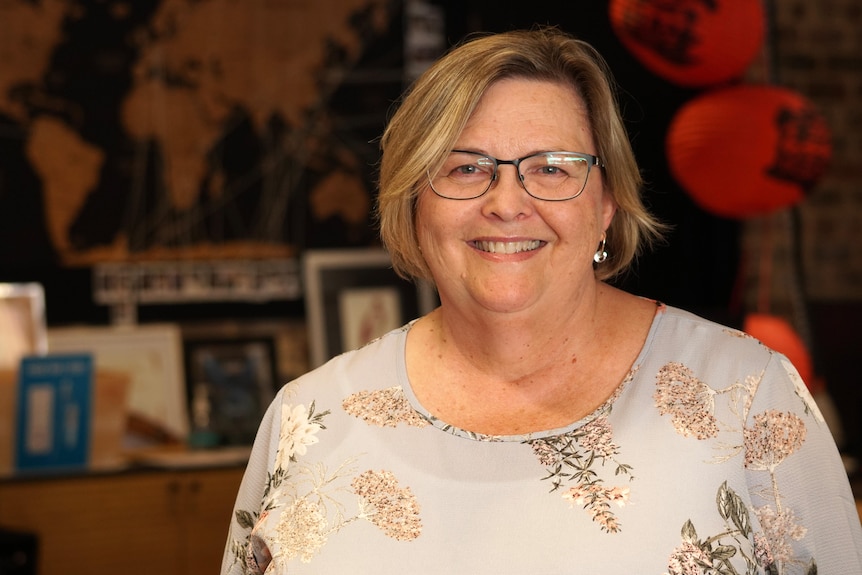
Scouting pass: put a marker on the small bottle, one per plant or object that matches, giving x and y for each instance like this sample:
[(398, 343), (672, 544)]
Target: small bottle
[(202, 436)]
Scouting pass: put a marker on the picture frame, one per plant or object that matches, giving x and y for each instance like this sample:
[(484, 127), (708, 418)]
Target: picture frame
[(230, 384), (23, 328), (288, 334), (353, 296), (151, 355)]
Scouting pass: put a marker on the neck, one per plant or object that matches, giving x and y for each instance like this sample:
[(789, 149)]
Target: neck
[(517, 346), (505, 374)]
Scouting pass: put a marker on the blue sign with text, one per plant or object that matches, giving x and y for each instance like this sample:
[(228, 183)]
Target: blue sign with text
[(54, 406)]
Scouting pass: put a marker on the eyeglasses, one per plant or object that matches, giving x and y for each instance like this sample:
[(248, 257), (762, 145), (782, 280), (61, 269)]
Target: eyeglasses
[(551, 176)]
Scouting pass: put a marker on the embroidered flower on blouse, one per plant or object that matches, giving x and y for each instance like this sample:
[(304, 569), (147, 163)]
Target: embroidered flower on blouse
[(297, 432), (688, 400), (700, 555), (749, 387), (301, 530), (383, 408), (737, 333), (548, 455), (597, 500), (689, 559), (779, 527), (762, 552), (596, 437), (599, 438), (772, 438), (391, 508), (575, 457), (578, 495)]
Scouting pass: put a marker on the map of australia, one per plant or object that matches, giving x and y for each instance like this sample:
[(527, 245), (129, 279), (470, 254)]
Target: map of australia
[(191, 128)]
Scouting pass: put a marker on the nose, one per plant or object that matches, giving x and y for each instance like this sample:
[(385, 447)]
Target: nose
[(508, 198)]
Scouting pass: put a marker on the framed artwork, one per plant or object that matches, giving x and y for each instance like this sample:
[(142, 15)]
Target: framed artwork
[(22, 323), (230, 383), (353, 296), (152, 356), (288, 336)]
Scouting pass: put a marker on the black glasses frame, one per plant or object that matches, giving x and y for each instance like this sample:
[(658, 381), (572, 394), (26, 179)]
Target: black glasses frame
[(591, 161)]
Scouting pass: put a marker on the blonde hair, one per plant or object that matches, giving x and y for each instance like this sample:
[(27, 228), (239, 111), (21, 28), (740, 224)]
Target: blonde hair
[(434, 111)]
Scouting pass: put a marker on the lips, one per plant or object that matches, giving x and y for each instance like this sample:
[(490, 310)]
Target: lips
[(507, 247)]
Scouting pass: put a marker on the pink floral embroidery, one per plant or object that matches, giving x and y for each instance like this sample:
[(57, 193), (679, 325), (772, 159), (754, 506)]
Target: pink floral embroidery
[(597, 500), (302, 530), (571, 457), (688, 559), (387, 505), (687, 400), (779, 527), (383, 408), (773, 437), (768, 440)]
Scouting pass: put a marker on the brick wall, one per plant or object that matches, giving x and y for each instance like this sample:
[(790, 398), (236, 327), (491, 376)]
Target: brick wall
[(814, 252), (816, 49), (812, 256)]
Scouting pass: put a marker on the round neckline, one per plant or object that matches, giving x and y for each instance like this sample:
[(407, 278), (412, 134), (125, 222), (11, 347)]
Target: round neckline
[(603, 409)]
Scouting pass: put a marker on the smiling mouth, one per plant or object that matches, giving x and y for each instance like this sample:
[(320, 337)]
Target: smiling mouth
[(507, 247)]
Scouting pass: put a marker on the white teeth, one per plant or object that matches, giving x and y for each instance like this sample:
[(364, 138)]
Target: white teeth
[(508, 247)]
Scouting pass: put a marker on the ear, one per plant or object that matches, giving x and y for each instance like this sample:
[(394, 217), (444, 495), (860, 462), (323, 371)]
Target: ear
[(609, 208)]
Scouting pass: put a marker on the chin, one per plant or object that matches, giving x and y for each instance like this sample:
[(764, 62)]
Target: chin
[(508, 300)]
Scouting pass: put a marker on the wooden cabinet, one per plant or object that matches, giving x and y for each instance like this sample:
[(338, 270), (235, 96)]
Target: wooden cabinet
[(140, 522)]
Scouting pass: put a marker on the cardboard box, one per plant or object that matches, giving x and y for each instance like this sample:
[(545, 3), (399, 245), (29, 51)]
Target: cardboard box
[(107, 423)]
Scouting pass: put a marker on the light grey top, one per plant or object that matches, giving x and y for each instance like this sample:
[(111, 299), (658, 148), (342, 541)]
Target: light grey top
[(710, 453)]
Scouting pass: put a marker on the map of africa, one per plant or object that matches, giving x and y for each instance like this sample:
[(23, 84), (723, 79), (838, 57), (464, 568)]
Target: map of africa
[(190, 128)]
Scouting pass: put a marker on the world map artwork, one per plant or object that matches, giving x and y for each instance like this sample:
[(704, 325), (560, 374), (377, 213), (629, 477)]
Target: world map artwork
[(168, 129)]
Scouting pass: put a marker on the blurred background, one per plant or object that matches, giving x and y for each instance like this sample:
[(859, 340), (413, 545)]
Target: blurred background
[(172, 170)]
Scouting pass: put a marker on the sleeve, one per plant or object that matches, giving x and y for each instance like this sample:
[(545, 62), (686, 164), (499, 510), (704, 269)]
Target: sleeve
[(247, 508), (798, 484)]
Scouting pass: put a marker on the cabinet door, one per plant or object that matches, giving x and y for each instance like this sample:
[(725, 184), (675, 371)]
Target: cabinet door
[(209, 501), (131, 523), (106, 524)]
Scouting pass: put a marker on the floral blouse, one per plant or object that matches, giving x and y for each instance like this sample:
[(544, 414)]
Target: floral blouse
[(710, 458)]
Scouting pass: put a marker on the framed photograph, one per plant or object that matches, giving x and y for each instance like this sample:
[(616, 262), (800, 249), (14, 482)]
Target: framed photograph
[(230, 384), (152, 356), (22, 323), (289, 338), (353, 296)]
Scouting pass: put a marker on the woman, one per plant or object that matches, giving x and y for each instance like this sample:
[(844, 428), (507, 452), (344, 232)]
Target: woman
[(538, 421)]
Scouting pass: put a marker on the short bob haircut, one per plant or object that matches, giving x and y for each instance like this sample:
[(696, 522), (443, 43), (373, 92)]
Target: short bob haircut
[(434, 111)]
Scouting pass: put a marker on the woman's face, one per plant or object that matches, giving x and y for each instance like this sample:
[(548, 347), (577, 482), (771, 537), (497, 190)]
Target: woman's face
[(507, 251)]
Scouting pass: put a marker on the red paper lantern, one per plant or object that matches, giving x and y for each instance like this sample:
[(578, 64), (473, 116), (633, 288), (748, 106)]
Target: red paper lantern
[(777, 333), (747, 150), (692, 43)]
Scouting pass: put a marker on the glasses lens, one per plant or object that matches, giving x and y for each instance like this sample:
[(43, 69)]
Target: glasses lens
[(555, 175), (464, 175), (550, 176)]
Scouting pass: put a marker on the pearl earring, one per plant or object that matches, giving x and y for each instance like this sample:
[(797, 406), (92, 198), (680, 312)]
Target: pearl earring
[(601, 253)]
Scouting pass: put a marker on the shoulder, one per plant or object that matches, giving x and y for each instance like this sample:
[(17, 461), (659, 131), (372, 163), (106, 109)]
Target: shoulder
[(679, 316), (708, 347), (383, 352), (376, 363), (680, 325), (723, 356)]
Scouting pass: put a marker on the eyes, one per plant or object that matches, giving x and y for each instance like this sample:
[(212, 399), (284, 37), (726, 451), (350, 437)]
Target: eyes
[(550, 170), (552, 165), (552, 176), (468, 170)]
